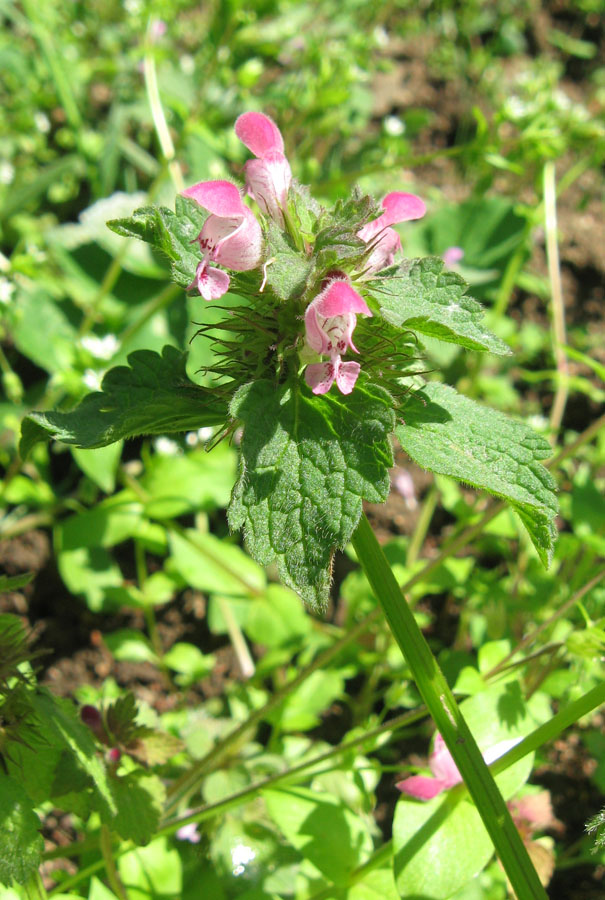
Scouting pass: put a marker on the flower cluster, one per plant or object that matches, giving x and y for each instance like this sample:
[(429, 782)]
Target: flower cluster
[(232, 238)]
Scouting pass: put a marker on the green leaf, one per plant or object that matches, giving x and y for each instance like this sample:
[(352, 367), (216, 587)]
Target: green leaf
[(195, 481), (110, 522), (100, 465), (93, 572), (21, 843), (172, 233), (153, 872), (287, 269), (152, 395), (212, 565), (64, 729), (378, 884), (307, 463), (139, 798), (98, 891), (326, 832), (277, 619), (447, 433), (438, 849), (14, 582), (43, 332), (302, 709), (129, 645), (338, 243), (422, 295)]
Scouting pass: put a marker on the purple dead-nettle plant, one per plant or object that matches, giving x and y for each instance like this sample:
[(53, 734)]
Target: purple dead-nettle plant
[(315, 358)]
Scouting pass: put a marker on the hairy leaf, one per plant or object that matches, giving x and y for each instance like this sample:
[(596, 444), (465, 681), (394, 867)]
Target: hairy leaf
[(152, 395), (307, 463), (139, 798), (449, 434), (287, 270), (172, 233), (424, 296), (21, 843), (59, 722)]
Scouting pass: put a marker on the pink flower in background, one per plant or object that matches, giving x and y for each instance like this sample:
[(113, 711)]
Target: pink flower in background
[(329, 323), (533, 812), (268, 177), (445, 772), (403, 484), (188, 833), (231, 236), (399, 207), (452, 256)]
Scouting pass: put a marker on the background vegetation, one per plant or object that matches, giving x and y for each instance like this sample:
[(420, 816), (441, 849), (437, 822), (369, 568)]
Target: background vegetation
[(494, 113)]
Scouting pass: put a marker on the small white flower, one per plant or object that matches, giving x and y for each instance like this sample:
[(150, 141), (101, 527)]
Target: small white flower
[(187, 64), (42, 122), (393, 126), (92, 379), (7, 172), (101, 347), (241, 855), (7, 289), (165, 446)]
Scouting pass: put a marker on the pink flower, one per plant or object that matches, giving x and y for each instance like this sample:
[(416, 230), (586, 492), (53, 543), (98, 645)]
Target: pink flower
[(445, 772), (231, 236), (329, 323), (188, 833), (268, 177), (399, 207), (452, 256)]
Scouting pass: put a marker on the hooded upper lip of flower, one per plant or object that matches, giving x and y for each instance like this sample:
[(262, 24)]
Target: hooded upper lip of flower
[(230, 236), (398, 207), (445, 772), (268, 177), (329, 323)]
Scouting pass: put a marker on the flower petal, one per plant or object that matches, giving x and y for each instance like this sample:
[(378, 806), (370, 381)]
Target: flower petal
[(346, 375), (338, 299), (219, 197), (268, 181), (320, 377), (259, 133), (383, 253), (315, 336), (210, 282), (442, 763), (422, 787), (401, 207), (241, 249)]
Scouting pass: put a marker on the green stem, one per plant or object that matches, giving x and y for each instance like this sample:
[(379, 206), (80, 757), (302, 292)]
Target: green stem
[(110, 865), (34, 889), (441, 703), (422, 526), (547, 732)]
